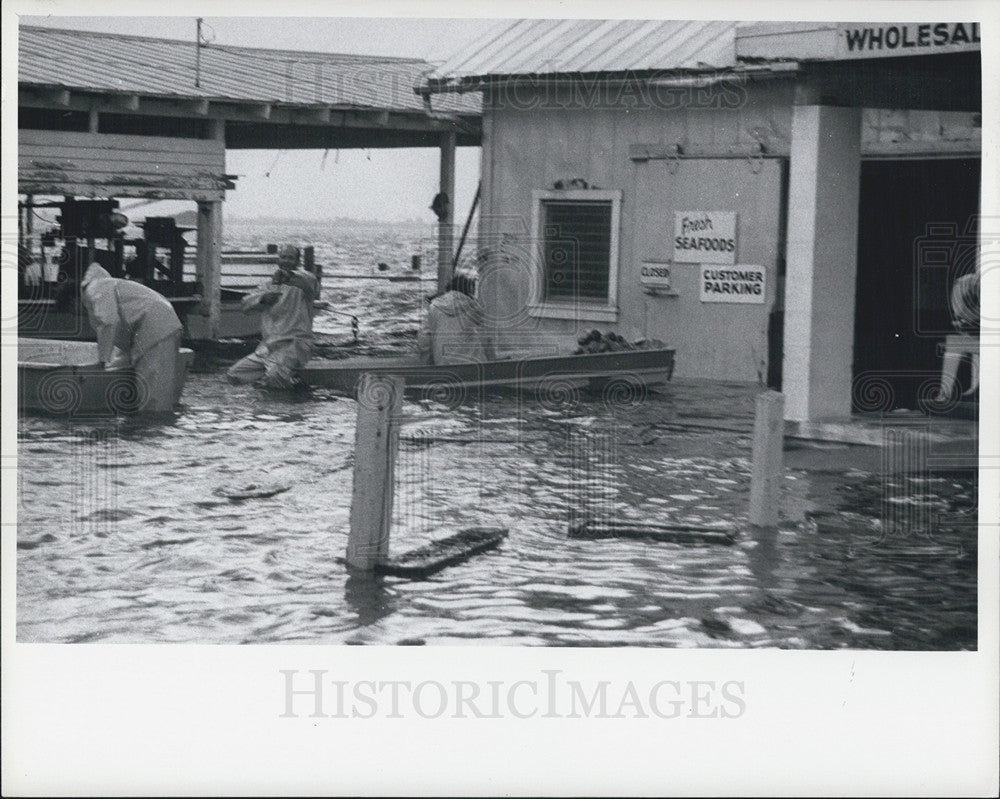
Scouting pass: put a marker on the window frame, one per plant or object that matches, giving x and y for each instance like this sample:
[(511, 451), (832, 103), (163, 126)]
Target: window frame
[(574, 308)]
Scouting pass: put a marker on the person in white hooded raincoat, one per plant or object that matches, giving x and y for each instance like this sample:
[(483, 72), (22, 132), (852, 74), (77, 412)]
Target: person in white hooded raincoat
[(454, 330), (142, 326), (286, 327)]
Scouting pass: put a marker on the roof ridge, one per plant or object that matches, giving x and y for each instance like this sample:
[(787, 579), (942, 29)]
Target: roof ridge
[(227, 47)]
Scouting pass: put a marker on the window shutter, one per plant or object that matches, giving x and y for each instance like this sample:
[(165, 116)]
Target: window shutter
[(577, 249)]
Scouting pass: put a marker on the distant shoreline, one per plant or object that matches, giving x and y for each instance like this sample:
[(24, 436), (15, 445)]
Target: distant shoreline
[(336, 221)]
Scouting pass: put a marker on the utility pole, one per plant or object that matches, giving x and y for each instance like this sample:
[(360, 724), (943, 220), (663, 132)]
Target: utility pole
[(197, 55)]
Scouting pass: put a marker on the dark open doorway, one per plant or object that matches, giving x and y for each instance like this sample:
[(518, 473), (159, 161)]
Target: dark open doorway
[(916, 232)]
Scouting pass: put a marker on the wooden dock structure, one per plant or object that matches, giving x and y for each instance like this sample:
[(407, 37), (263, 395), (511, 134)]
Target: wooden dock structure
[(134, 117)]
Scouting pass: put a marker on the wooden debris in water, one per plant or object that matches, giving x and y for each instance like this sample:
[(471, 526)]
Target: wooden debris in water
[(671, 533), (431, 558), (253, 491)]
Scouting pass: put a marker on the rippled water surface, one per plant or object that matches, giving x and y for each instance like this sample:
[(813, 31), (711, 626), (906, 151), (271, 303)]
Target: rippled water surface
[(125, 532)]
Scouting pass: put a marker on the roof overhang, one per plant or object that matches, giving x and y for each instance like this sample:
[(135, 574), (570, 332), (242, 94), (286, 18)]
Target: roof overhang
[(270, 124), (661, 77)]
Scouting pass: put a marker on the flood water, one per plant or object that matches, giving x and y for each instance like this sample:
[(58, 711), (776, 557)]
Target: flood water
[(125, 533)]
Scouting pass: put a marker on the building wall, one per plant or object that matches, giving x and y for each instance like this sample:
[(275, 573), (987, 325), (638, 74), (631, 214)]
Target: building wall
[(87, 164), (535, 136)]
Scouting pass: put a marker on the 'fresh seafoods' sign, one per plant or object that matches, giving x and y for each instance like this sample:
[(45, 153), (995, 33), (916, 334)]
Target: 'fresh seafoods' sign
[(705, 237), (867, 40)]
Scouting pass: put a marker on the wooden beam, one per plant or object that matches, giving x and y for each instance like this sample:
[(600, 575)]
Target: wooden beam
[(58, 97), (217, 130), (130, 102), (329, 137), (467, 126), (199, 107), (320, 115), (666, 152)]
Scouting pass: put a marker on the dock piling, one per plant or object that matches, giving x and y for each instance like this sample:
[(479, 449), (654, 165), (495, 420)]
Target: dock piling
[(768, 459), (376, 444)]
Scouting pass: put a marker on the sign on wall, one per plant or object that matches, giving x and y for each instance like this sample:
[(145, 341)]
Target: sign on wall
[(654, 275), (738, 283), (916, 38), (705, 237)]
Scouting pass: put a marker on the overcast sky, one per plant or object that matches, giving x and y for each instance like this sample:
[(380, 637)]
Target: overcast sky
[(378, 184)]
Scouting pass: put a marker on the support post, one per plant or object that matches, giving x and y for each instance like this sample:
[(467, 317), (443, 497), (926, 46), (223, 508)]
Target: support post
[(209, 263), (376, 443), (209, 259), (446, 230), (29, 222), (768, 459), (822, 253)]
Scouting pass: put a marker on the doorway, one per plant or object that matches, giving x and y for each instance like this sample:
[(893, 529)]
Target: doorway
[(916, 234)]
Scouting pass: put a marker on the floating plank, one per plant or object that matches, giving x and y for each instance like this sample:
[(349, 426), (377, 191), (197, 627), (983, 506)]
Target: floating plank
[(432, 558), (671, 533), (253, 491)]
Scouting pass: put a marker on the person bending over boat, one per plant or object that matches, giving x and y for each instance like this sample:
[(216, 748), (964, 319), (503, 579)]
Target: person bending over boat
[(142, 326), (286, 327), (454, 330)]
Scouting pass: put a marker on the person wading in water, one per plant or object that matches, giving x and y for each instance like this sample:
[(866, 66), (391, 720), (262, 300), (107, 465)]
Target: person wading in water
[(286, 303)]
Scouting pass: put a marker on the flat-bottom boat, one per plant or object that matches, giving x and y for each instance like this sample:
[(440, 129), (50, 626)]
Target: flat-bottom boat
[(635, 368), (66, 378)]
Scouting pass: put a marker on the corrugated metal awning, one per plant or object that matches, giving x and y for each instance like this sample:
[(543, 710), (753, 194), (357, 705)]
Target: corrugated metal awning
[(572, 46), (88, 61)]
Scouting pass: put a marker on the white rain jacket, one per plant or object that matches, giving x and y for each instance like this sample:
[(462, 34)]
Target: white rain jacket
[(286, 326), (965, 302), (126, 315), (454, 332)]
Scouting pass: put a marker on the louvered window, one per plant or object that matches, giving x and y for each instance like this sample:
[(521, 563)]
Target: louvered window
[(577, 262), (577, 249)]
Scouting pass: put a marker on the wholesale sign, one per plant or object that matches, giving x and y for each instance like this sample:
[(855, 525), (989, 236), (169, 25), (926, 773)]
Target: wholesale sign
[(737, 283), (917, 38), (705, 237)]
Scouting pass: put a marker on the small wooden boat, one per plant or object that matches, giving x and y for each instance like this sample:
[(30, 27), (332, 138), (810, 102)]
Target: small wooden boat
[(554, 375), (397, 278), (66, 378)]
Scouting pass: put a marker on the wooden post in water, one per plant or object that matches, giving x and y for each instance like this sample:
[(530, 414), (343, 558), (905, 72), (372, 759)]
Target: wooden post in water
[(209, 264), (376, 442), (768, 458), (446, 231)]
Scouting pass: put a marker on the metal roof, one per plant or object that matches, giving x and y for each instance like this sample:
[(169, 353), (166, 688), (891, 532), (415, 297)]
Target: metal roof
[(559, 46), (90, 61)]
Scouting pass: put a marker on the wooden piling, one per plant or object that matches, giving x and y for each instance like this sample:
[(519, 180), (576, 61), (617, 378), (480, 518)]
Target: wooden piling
[(768, 456), (209, 263), (446, 232), (376, 443)]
